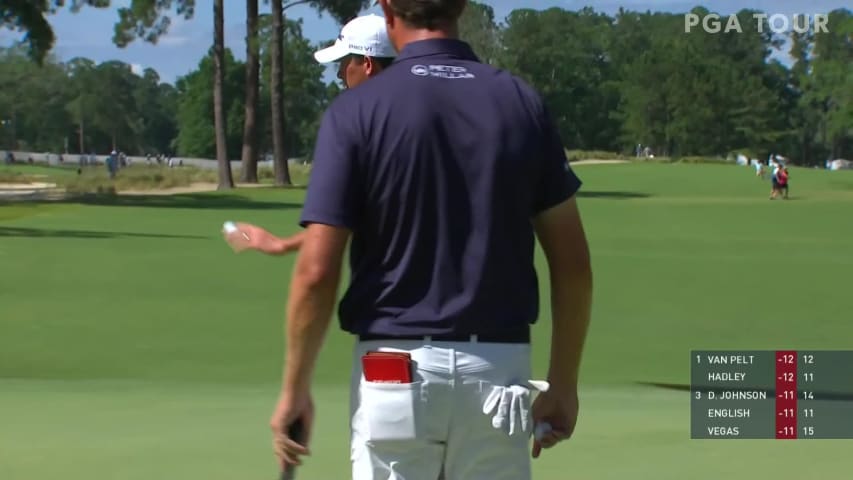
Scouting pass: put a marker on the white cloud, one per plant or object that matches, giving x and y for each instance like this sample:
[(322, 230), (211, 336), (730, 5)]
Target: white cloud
[(137, 69), (180, 33), (173, 41)]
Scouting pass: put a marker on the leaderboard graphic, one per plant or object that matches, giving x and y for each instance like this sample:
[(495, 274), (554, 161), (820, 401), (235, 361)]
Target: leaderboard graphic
[(771, 394)]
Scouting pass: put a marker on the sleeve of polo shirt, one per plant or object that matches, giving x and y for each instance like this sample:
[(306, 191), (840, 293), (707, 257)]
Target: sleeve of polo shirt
[(556, 180), (332, 196)]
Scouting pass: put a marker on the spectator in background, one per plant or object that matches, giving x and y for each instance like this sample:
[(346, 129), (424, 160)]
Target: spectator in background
[(112, 164), (759, 169), (783, 181)]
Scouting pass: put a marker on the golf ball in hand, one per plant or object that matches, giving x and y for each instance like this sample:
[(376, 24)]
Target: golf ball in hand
[(229, 227)]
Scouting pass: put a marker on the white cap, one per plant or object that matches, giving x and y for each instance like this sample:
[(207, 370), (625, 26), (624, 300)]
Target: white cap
[(365, 35)]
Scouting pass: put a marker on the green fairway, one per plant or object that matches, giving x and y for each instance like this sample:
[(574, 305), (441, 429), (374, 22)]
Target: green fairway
[(135, 345)]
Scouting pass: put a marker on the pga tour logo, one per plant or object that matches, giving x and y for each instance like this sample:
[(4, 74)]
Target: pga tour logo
[(777, 22)]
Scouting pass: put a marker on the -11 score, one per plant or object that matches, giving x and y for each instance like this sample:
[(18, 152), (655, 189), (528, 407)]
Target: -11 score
[(807, 431), (790, 395), (789, 413)]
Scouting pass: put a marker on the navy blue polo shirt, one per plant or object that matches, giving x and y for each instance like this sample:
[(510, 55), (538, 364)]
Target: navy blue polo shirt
[(437, 166)]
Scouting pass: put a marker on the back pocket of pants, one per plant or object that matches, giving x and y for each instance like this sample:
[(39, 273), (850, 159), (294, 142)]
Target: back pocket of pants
[(390, 411)]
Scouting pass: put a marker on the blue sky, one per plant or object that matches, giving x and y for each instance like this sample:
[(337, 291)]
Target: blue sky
[(89, 32)]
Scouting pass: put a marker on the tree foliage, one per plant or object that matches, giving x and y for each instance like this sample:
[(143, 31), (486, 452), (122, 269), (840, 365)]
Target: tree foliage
[(47, 104), (611, 81), (30, 18)]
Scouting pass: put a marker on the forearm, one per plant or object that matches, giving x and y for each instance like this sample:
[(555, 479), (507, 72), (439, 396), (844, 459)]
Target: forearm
[(309, 313), (571, 305), (285, 245)]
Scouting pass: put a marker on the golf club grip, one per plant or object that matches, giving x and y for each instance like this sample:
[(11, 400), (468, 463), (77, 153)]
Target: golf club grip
[(296, 433)]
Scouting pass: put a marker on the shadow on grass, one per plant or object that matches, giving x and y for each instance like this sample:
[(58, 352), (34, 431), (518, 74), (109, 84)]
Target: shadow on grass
[(612, 195), (216, 201), (53, 233), (666, 386)]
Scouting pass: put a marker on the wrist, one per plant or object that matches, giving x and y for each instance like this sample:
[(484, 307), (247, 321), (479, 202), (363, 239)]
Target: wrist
[(279, 246), (563, 381), (293, 386)]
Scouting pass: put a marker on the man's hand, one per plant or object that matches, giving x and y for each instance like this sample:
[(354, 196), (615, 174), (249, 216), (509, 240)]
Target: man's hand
[(253, 237), (559, 408), (292, 406)]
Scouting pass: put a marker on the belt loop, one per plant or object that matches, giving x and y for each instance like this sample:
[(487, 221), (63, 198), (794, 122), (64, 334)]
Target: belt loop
[(474, 338)]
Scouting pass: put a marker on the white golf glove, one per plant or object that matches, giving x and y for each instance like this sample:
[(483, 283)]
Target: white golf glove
[(510, 406)]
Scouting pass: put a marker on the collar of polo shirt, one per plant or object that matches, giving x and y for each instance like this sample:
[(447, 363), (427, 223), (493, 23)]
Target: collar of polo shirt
[(365, 35)]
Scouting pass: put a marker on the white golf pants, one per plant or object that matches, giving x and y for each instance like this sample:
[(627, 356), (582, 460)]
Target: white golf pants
[(435, 428)]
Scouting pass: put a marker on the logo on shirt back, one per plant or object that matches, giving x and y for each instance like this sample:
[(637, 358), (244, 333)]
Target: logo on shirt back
[(420, 70), (441, 71)]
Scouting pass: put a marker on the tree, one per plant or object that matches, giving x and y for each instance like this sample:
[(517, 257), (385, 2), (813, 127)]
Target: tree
[(30, 17), (116, 111), (195, 127), (225, 180), (832, 83), (23, 87), (341, 10), (564, 55), (157, 106), (303, 75), (81, 106), (477, 27), (147, 19), (82, 73), (282, 174), (250, 135)]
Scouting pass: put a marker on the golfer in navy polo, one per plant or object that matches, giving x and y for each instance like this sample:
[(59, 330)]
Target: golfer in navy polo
[(442, 172)]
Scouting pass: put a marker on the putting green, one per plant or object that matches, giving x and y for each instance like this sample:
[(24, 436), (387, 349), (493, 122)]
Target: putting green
[(139, 430), (134, 344)]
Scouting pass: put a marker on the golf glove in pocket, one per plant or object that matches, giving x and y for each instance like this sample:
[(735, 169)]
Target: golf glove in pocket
[(510, 407)]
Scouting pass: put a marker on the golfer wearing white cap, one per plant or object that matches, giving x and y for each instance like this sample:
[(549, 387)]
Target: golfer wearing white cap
[(363, 50)]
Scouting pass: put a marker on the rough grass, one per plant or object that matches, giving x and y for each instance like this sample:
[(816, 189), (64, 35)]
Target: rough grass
[(577, 155), (154, 177), (10, 176), (136, 177)]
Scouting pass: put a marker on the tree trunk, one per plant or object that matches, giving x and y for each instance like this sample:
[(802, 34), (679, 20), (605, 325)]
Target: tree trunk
[(14, 130), (226, 182), (282, 175), (82, 137), (250, 135), (82, 134)]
